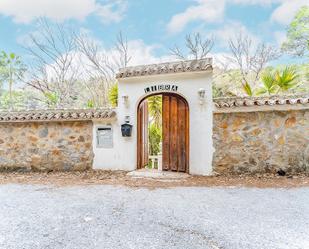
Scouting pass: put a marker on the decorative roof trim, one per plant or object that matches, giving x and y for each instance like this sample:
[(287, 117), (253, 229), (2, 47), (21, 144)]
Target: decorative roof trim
[(166, 68), (56, 115), (259, 103)]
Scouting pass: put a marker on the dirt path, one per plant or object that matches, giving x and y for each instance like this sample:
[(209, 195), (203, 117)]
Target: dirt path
[(120, 178)]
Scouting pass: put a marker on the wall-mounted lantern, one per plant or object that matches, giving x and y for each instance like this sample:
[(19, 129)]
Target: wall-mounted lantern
[(126, 128), (201, 94), (125, 100)]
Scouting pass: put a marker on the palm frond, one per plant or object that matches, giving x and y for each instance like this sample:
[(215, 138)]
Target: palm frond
[(247, 88), (261, 91), (155, 108), (286, 78), (268, 79)]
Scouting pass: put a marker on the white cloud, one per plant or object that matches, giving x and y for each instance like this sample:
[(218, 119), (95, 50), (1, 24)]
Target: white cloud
[(27, 10), (230, 30), (112, 11), (59, 10), (206, 10), (280, 37), (255, 2), (142, 53), (285, 13), (211, 11), (220, 60), (139, 52)]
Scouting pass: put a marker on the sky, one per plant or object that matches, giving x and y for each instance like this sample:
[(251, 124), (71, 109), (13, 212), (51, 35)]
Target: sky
[(152, 27)]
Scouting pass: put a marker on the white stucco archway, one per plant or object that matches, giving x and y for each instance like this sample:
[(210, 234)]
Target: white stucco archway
[(186, 83), (175, 132)]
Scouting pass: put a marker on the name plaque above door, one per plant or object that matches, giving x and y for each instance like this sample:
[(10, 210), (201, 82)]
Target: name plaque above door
[(160, 88)]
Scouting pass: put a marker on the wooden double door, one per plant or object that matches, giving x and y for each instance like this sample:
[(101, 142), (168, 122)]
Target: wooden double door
[(175, 134)]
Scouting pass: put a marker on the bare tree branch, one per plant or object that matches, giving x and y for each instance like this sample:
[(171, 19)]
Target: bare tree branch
[(102, 65), (54, 71), (69, 66), (250, 59), (123, 51), (196, 48)]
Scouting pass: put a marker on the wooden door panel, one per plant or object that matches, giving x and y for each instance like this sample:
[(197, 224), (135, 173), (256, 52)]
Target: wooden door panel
[(139, 138), (175, 133), (181, 136), (175, 144), (166, 132), (145, 140), (142, 135)]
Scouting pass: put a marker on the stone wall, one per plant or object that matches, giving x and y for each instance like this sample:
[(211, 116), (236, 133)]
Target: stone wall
[(46, 146), (252, 142), (245, 142)]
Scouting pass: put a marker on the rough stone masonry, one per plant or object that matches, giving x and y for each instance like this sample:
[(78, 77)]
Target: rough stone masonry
[(244, 142), (251, 142), (44, 146)]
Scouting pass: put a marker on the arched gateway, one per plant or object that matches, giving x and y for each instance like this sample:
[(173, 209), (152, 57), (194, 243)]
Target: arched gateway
[(187, 107), (175, 133)]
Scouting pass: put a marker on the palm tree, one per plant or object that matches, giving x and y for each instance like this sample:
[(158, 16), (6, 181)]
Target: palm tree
[(155, 109), (269, 84), (13, 70), (155, 124), (113, 95), (286, 79), (155, 139), (276, 81)]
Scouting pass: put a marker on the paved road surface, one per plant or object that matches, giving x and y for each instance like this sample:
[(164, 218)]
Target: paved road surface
[(118, 217)]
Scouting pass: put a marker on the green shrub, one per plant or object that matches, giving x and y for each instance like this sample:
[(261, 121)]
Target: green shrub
[(155, 138)]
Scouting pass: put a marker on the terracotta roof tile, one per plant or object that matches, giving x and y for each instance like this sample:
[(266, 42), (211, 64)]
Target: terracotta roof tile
[(261, 101), (57, 115), (166, 68)]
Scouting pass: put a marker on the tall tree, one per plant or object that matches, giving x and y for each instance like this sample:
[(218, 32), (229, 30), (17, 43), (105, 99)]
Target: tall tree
[(297, 42), (71, 68), (101, 67), (53, 71), (13, 70)]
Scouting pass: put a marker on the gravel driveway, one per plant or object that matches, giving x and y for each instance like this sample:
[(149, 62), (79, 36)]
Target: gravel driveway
[(37, 216)]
